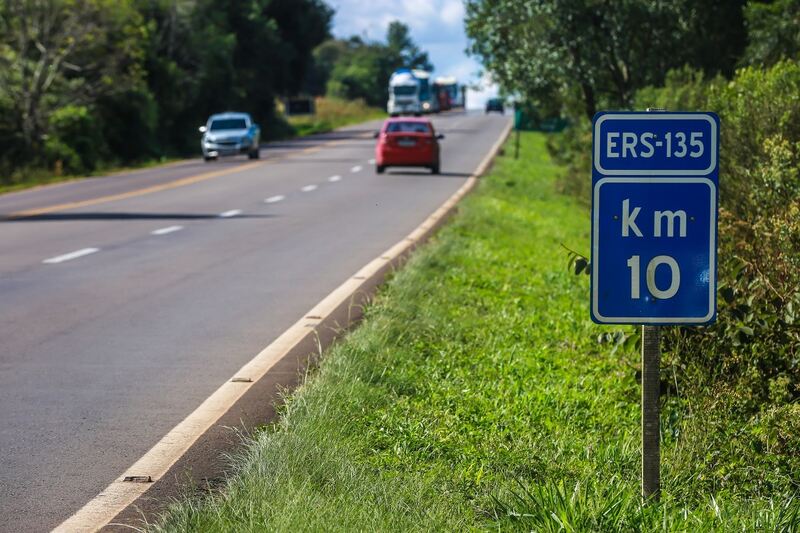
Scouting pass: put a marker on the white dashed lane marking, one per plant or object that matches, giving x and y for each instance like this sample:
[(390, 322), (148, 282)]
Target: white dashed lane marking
[(168, 229), (72, 255), (356, 168), (274, 199), (371, 161), (231, 213), (308, 188), (335, 178)]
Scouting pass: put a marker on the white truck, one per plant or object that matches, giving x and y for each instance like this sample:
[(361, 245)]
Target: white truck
[(411, 92), (404, 90)]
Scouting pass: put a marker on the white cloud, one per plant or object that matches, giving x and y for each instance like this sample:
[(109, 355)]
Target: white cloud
[(421, 12), (452, 13), (464, 70), (481, 91)]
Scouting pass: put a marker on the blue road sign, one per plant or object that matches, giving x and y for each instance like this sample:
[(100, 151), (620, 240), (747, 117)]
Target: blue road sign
[(654, 218), (656, 144)]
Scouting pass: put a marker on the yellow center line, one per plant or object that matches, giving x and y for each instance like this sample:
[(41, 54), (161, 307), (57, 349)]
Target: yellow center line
[(157, 188)]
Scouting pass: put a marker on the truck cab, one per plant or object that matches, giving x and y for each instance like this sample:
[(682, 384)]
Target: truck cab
[(428, 100), (404, 94)]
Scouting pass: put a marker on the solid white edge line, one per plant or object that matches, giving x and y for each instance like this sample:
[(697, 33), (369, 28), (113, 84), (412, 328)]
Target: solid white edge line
[(334, 179), (274, 199), (356, 168), (164, 231), (158, 460), (231, 213), (309, 188), (72, 255)]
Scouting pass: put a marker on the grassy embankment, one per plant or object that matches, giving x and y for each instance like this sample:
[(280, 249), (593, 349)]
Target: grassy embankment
[(331, 114), (475, 395)]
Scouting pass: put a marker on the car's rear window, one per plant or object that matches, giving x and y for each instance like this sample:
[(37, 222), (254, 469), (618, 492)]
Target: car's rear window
[(229, 124), (408, 127)]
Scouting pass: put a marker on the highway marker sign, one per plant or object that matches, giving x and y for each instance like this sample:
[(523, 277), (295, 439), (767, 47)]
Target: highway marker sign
[(655, 195), (655, 144)]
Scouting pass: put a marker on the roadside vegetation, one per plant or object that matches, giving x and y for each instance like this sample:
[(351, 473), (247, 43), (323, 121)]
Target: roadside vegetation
[(332, 113), (92, 86), (477, 394), (352, 69), (739, 378)]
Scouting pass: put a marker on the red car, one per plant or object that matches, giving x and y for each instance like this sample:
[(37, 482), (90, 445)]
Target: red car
[(407, 142)]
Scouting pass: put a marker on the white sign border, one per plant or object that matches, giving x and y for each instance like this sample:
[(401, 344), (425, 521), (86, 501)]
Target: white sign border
[(655, 116), (712, 285)]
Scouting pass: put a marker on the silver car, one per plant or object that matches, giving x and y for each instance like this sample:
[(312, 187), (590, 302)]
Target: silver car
[(230, 134)]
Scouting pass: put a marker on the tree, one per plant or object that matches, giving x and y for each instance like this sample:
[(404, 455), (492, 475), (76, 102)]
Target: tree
[(774, 31), (64, 52), (88, 81), (602, 51), (360, 69), (716, 35), (405, 50), (302, 26), (206, 56), (325, 58)]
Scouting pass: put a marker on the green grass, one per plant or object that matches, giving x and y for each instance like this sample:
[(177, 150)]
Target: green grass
[(332, 113), (476, 396)]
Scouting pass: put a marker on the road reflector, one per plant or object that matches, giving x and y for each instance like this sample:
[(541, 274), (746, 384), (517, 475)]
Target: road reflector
[(137, 479)]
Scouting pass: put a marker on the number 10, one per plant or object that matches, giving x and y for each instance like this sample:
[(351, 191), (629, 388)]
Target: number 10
[(650, 276)]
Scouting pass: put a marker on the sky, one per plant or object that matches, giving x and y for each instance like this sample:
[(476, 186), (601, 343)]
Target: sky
[(437, 26)]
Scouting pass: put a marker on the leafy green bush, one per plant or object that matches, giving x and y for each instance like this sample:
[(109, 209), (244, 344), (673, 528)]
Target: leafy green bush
[(571, 148), (753, 348), (747, 365), (75, 139), (130, 125), (684, 89)]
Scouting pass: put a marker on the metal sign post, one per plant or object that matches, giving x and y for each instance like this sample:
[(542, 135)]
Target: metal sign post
[(651, 435), (655, 183)]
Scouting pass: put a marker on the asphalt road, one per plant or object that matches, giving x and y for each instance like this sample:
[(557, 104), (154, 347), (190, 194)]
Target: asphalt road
[(125, 301)]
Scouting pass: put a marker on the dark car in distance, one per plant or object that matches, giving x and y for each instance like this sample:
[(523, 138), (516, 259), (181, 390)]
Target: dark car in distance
[(495, 104)]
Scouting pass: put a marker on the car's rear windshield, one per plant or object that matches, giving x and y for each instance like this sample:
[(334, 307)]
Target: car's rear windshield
[(405, 90), (408, 127), (229, 124)]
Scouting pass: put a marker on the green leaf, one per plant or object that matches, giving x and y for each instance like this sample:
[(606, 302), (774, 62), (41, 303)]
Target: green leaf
[(580, 265)]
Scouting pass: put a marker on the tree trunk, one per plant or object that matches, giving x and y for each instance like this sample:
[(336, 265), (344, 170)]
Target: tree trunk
[(590, 104)]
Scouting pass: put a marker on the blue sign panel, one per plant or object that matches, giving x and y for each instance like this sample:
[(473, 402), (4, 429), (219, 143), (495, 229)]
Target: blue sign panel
[(654, 252), (654, 218), (655, 144)]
